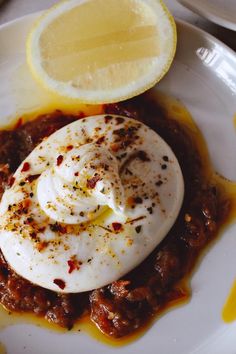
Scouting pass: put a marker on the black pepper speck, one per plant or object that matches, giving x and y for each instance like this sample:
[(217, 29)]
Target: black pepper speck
[(138, 229)]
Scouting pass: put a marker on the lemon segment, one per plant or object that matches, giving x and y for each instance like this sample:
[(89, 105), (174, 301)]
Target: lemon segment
[(102, 51)]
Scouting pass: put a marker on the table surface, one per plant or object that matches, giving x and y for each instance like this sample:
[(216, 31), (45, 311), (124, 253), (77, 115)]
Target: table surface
[(11, 9)]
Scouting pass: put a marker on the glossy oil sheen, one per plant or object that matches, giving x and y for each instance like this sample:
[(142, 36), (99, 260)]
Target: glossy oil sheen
[(229, 309)]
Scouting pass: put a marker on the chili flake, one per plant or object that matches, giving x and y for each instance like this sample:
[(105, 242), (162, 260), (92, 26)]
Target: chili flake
[(69, 147), (115, 147), (25, 167), (91, 183), (32, 178), (73, 264), (42, 245), (59, 160), (100, 140), (107, 119), (29, 220), (24, 206), (60, 283), (119, 120), (117, 226)]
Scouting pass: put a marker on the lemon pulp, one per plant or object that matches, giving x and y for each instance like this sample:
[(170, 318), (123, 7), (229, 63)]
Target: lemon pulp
[(99, 41), (102, 50)]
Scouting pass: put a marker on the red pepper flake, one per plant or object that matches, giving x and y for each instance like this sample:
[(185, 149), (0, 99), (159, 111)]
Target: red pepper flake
[(19, 123), (130, 201), (115, 147), (26, 203), (117, 226), (59, 160), (119, 120), (73, 264), (76, 174), (62, 229), (42, 245), (60, 283), (100, 140), (25, 167), (24, 206), (29, 220), (91, 183), (69, 147), (33, 235), (42, 229), (32, 178), (107, 119), (11, 181)]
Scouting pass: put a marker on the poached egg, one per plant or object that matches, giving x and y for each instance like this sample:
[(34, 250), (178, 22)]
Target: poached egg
[(90, 203)]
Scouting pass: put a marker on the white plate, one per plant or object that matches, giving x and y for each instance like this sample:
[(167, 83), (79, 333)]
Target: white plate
[(222, 12), (203, 76)]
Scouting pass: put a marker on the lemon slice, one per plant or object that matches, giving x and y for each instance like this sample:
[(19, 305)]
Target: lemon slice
[(102, 51)]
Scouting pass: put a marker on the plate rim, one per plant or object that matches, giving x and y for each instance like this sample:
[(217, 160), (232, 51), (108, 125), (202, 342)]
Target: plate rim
[(209, 15)]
